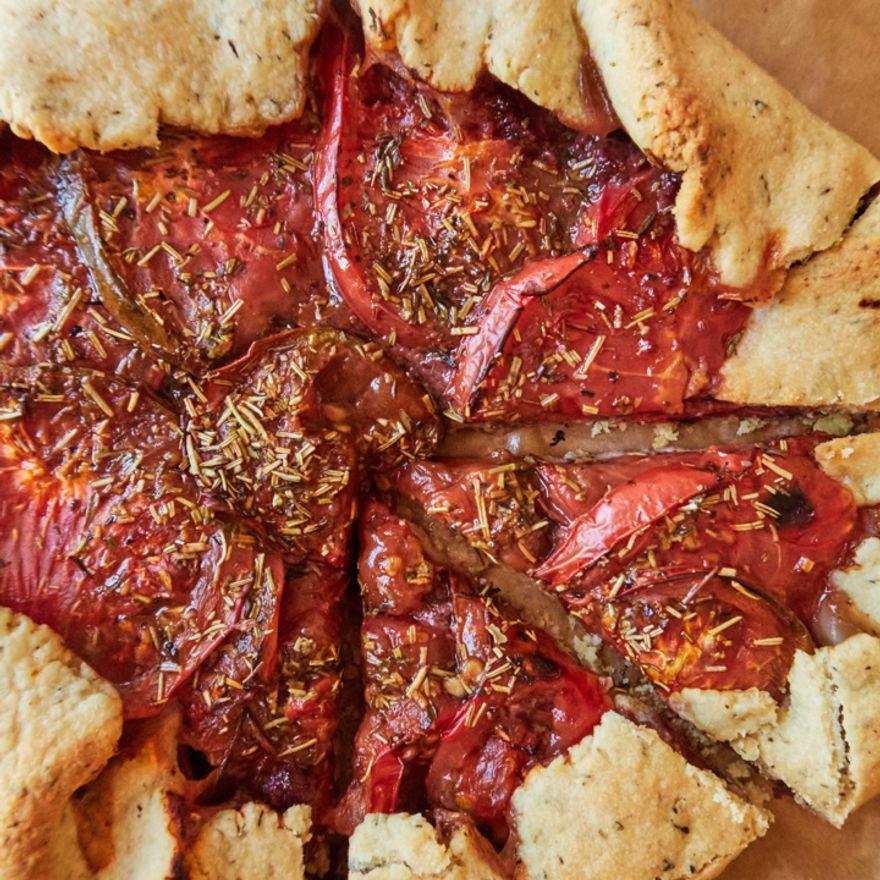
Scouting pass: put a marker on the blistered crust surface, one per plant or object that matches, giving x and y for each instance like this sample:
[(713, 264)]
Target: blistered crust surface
[(855, 462), (253, 843), (623, 804), (106, 73), (59, 724), (402, 846), (818, 342), (762, 177)]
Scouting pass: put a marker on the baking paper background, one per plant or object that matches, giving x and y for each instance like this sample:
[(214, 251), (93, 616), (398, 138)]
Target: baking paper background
[(828, 53)]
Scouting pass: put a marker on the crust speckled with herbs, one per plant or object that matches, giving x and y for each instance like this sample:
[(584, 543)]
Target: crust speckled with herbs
[(105, 75)]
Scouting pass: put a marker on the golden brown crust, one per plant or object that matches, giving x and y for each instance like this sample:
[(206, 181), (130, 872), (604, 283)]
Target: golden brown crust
[(59, 724), (762, 177), (253, 843), (128, 822), (818, 342), (535, 47), (106, 74), (855, 462), (823, 741), (860, 583), (402, 846), (623, 804)]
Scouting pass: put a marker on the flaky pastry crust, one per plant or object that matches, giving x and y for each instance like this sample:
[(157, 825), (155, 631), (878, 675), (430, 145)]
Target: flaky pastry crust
[(822, 742), (623, 804), (59, 724)]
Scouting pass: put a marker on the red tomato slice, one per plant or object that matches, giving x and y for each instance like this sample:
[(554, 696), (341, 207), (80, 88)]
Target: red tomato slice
[(102, 536), (49, 310), (531, 703), (279, 435), (628, 509), (216, 236), (264, 708), (693, 629), (491, 505), (430, 201)]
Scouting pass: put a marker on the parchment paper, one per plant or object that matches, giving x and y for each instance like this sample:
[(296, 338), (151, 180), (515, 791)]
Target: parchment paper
[(827, 52)]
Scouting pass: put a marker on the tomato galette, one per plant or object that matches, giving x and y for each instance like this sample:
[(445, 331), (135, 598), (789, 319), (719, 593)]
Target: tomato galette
[(437, 440)]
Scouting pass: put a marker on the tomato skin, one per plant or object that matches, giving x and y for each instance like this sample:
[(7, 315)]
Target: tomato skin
[(503, 304), (382, 321), (98, 541), (490, 504), (626, 510)]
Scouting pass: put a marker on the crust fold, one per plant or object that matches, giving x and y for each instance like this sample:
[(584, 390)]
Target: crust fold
[(59, 724), (623, 804), (253, 843), (105, 74), (818, 342), (855, 462), (824, 742)]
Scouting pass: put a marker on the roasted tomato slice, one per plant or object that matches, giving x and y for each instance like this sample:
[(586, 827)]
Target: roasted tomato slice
[(694, 629), (49, 308), (454, 688), (214, 239), (493, 506), (428, 201), (411, 691), (529, 703), (263, 709), (278, 435), (607, 338), (630, 508), (772, 517), (103, 537)]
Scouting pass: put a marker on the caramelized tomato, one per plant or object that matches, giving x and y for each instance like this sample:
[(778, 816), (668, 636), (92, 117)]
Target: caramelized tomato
[(103, 537), (216, 235), (49, 309), (461, 699)]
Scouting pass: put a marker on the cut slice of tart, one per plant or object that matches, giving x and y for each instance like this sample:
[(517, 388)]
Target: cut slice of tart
[(736, 580), (464, 702)]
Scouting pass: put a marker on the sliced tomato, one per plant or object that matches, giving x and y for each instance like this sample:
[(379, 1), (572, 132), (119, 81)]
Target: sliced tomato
[(49, 308), (103, 538), (629, 508), (396, 576), (264, 709), (607, 340), (781, 523), (278, 435), (491, 505), (214, 239), (429, 201), (694, 629), (531, 703)]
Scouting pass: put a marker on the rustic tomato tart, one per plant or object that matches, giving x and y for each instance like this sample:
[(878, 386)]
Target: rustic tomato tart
[(266, 285)]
